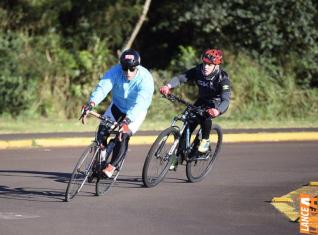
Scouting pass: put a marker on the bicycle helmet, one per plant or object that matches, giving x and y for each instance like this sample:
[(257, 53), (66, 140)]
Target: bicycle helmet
[(212, 56), (129, 59)]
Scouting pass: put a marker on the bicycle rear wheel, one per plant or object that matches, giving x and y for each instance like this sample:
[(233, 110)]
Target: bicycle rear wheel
[(199, 166), (81, 172), (159, 158), (104, 183)]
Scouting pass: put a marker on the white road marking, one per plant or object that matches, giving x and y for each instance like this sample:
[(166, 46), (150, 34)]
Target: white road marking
[(12, 216)]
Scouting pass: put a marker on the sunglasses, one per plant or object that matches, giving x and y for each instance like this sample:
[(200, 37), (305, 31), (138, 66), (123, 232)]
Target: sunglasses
[(131, 69)]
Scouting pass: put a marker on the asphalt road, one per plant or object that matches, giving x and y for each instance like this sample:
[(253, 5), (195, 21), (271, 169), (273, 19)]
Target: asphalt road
[(233, 199)]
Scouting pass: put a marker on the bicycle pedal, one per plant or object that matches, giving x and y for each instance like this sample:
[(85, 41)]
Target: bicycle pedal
[(202, 157), (90, 179)]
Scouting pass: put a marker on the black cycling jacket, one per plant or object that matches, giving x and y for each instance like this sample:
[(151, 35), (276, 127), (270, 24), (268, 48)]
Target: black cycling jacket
[(214, 90)]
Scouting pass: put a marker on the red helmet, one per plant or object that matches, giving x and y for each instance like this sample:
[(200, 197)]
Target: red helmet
[(212, 56)]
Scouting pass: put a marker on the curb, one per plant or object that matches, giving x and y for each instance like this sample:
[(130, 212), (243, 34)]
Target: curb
[(147, 140), (289, 203)]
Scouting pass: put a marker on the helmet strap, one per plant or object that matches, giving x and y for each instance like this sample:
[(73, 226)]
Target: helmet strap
[(213, 73)]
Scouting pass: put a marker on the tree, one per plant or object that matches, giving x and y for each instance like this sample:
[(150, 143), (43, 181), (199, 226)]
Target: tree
[(275, 32), (142, 18)]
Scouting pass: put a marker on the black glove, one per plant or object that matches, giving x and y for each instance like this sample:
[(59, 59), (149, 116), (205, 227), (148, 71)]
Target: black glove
[(87, 107)]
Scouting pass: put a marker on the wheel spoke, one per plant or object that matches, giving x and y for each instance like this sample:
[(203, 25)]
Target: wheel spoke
[(199, 166), (81, 172), (104, 183), (158, 159)]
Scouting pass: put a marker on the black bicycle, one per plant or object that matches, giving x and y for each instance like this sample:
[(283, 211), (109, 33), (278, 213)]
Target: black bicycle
[(164, 150), (91, 163)]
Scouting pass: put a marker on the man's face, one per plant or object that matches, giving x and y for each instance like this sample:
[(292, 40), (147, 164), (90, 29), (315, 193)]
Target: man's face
[(207, 69), (130, 73)]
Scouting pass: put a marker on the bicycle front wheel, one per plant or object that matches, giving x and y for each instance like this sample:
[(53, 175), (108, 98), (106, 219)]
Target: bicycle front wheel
[(81, 172), (104, 183), (199, 166), (158, 160)]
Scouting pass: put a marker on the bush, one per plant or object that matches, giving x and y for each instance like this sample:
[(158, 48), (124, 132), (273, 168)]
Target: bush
[(257, 95), (17, 85), (17, 94)]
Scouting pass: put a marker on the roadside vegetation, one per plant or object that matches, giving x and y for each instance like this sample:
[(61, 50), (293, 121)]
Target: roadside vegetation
[(52, 55)]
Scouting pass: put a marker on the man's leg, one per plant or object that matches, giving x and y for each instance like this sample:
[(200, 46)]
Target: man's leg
[(206, 126), (120, 150), (121, 147)]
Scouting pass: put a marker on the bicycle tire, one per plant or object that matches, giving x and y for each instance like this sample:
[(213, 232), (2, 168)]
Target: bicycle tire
[(158, 161), (103, 183), (197, 170), (81, 172)]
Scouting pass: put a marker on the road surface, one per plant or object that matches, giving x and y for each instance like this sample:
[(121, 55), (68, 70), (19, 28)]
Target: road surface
[(233, 199)]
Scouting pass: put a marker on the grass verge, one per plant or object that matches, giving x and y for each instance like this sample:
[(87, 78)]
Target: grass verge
[(8, 125)]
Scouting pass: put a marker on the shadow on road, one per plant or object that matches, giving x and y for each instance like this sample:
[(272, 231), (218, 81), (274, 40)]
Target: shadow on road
[(126, 181), (34, 193), (57, 194)]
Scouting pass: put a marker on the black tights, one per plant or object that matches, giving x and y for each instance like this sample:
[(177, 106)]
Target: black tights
[(120, 150), (121, 147), (205, 121), (206, 126)]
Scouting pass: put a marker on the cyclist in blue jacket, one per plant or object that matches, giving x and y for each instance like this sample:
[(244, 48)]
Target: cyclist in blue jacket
[(132, 87)]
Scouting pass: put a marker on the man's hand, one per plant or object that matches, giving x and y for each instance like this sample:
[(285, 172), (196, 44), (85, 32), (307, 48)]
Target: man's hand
[(165, 90), (124, 129), (85, 110), (213, 112)]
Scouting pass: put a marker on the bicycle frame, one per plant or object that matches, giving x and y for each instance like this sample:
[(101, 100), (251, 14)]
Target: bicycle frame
[(112, 133), (185, 117), (183, 128)]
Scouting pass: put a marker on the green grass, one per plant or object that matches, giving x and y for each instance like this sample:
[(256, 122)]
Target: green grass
[(8, 125)]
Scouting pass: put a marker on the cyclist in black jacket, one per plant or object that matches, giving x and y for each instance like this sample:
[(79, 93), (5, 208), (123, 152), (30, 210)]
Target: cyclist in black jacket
[(214, 90)]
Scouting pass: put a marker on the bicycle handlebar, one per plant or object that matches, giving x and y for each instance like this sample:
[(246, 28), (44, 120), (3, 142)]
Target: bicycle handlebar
[(172, 98), (97, 115), (108, 122), (191, 107)]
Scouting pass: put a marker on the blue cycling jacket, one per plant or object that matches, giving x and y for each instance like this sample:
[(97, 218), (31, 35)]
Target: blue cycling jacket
[(130, 96)]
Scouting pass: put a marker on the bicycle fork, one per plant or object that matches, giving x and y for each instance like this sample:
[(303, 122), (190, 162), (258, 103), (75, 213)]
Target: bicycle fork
[(177, 141), (173, 147)]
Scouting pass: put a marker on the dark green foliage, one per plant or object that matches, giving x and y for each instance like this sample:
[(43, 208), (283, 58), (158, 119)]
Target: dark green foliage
[(62, 47), (53, 52), (17, 83), (275, 32)]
